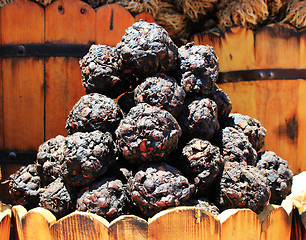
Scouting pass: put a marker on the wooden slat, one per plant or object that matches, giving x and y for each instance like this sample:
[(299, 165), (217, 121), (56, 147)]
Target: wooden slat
[(28, 27), (23, 99), (276, 223), (239, 224), (277, 111), (111, 22), (277, 46), (184, 223), (22, 78), (303, 49), (301, 153), (128, 228), (63, 90), (73, 22), (242, 96), (18, 212), (37, 217), (237, 50), (1, 93), (80, 226), (5, 222)]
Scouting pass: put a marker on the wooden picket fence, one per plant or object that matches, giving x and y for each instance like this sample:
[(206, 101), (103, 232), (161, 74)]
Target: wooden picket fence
[(5, 221), (177, 223), (264, 74)]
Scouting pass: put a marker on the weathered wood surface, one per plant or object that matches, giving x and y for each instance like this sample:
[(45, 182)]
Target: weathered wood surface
[(5, 222), (279, 104), (177, 223), (39, 92)]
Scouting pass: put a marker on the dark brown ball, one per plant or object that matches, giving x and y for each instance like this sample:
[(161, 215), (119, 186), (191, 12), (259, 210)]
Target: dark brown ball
[(161, 91), (199, 67), (94, 112), (107, 198), (87, 156), (278, 174), (243, 186), (147, 133), (146, 48), (157, 187)]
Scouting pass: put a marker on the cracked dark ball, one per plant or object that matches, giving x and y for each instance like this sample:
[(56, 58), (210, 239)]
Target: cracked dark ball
[(49, 156), (198, 118), (156, 187), (147, 133), (101, 69), (278, 174), (57, 198), (161, 91), (87, 156), (94, 112), (251, 127), (146, 48), (199, 67), (202, 163), (243, 186), (236, 147), (107, 198), (24, 186)]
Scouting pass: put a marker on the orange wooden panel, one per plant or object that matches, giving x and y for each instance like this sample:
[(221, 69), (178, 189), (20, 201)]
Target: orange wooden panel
[(303, 49), (276, 223), (80, 226), (145, 16), (69, 21), (128, 228), (277, 46), (23, 99), (5, 222), (1, 108), (111, 23), (277, 106), (184, 223), (239, 224), (242, 96), (301, 151), (22, 22), (237, 50), (63, 90)]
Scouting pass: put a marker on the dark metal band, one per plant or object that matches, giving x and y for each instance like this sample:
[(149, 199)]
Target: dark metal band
[(44, 50), (17, 157), (262, 74)]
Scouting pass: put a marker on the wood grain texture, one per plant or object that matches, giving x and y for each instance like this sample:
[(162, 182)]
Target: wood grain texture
[(63, 90), (5, 222), (277, 46), (276, 223), (80, 226), (1, 93), (23, 99), (69, 21), (128, 228), (184, 223), (301, 153), (303, 49), (111, 22), (239, 224)]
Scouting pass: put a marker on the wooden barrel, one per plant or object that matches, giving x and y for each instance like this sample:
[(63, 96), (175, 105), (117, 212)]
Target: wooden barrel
[(264, 74)]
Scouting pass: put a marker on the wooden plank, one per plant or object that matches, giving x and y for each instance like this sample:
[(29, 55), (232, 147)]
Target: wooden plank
[(277, 111), (242, 96), (111, 22), (1, 93), (18, 212), (128, 228), (239, 224), (184, 223), (302, 48), (276, 223), (63, 74), (237, 50), (301, 153), (63, 90), (69, 21), (35, 224), (23, 99), (80, 226), (5, 222), (28, 27), (277, 46), (145, 16)]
